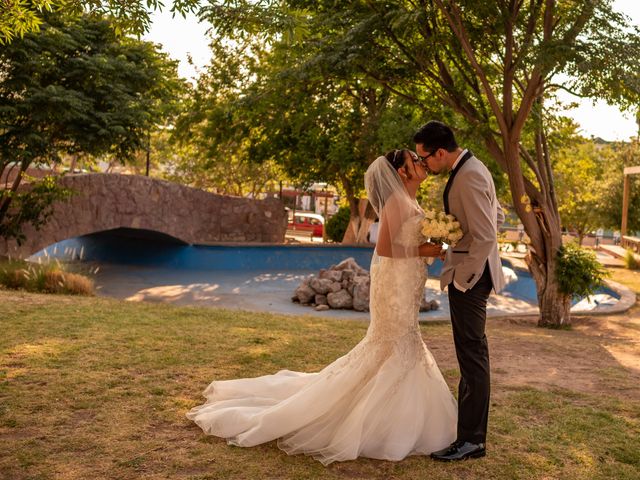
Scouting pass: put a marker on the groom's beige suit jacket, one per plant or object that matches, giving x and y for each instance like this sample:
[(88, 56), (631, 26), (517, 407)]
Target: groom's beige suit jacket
[(472, 200)]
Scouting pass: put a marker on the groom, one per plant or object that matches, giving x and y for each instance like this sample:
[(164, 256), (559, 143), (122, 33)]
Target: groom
[(471, 269)]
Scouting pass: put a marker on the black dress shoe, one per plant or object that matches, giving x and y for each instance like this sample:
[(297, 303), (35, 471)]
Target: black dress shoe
[(460, 450)]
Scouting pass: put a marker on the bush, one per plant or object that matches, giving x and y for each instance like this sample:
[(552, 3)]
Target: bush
[(337, 225), (579, 272), (630, 260), (47, 278)]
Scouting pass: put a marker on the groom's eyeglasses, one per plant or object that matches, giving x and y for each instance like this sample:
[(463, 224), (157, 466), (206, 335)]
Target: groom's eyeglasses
[(424, 159)]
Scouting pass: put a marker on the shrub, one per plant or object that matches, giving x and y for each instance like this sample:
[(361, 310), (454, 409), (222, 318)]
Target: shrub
[(46, 278), (579, 272), (630, 260), (337, 225)]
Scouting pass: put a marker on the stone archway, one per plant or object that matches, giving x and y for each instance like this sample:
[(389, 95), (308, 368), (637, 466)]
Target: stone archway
[(111, 201)]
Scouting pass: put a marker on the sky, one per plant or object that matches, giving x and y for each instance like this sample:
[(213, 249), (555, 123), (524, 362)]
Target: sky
[(183, 38)]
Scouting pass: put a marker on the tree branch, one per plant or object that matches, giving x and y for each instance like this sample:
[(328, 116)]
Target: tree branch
[(455, 22)]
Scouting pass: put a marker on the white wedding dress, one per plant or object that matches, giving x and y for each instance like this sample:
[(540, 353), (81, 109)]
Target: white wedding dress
[(385, 399)]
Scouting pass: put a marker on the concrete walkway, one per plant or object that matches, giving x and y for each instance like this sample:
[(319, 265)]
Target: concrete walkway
[(272, 291), (616, 252)]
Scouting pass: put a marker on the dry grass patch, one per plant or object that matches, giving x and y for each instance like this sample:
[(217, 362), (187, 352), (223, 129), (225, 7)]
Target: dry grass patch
[(52, 277)]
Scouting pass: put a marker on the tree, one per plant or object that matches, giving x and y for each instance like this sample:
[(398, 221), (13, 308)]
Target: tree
[(579, 182), (229, 174), (264, 103), (76, 88), (495, 64), (214, 135), (128, 16), (621, 155)]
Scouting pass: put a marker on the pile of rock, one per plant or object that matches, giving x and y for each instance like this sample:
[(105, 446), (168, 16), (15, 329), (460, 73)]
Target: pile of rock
[(345, 286)]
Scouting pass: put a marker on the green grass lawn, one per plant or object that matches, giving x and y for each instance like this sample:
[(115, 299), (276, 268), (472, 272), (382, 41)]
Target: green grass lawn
[(93, 388)]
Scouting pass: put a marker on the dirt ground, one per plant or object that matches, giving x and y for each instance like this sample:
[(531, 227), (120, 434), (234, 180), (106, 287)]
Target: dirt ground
[(519, 358)]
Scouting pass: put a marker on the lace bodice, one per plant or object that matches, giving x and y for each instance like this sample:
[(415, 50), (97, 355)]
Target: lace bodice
[(397, 288)]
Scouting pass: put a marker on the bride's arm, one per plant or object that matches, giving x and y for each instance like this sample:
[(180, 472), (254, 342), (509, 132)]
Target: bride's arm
[(430, 249), (383, 245)]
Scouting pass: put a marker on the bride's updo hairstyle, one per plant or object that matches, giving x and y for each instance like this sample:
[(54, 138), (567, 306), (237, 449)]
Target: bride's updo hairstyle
[(396, 159)]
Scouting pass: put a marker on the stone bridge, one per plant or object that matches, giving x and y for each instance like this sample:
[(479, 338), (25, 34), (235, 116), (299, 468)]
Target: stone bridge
[(105, 202)]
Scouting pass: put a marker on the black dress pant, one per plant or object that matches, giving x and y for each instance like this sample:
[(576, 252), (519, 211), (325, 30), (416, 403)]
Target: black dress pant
[(468, 318)]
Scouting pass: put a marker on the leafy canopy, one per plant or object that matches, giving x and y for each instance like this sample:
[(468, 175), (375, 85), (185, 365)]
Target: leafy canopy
[(127, 16)]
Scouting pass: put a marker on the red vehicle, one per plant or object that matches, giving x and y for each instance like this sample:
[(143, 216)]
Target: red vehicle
[(307, 222)]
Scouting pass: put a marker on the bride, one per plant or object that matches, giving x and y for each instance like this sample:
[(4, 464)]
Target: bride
[(386, 398)]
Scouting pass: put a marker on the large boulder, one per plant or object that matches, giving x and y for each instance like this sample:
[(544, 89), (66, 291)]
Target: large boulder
[(350, 264), (333, 275), (361, 293), (305, 294), (426, 305), (320, 299), (321, 285), (340, 299)]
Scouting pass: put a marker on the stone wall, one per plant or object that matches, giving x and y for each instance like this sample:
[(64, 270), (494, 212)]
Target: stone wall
[(108, 201)]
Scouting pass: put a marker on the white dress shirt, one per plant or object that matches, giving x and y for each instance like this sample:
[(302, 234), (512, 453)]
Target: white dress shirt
[(455, 164)]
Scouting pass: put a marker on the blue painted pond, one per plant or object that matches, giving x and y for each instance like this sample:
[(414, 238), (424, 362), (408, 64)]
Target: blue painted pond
[(149, 249)]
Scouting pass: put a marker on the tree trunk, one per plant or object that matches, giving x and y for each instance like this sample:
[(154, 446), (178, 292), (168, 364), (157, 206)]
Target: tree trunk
[(5, 198), (361, 215), (74, 162), (359, 222), (555, 307), (539, 214)]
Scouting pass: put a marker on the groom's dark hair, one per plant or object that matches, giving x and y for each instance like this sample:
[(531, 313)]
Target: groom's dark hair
[(434, 135)]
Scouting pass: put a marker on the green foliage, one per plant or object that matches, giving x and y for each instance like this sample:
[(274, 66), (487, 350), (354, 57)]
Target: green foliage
[(75, 87), (579, 171), (128, 16), (81, 89), (631, 260), (21, 17), (579, 272), (409, 49), (337, 225), (618, 156), (281, 101), (33, 206)]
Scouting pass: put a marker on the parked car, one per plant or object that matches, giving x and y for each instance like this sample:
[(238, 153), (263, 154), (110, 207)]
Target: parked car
[(307, 222)]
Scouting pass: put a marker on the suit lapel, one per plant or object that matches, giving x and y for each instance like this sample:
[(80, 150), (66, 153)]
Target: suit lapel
[(445, 196)]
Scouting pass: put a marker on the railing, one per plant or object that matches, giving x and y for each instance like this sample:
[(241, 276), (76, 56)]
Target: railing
[(632, 243)]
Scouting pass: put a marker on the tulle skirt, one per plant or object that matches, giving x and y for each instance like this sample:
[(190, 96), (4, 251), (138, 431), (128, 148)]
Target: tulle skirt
[(383, 400)]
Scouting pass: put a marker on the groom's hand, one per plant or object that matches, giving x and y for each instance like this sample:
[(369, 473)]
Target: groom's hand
[(430, 249)]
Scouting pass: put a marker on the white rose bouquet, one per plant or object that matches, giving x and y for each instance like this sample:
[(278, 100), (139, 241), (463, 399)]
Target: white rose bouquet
[(438, 227)]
